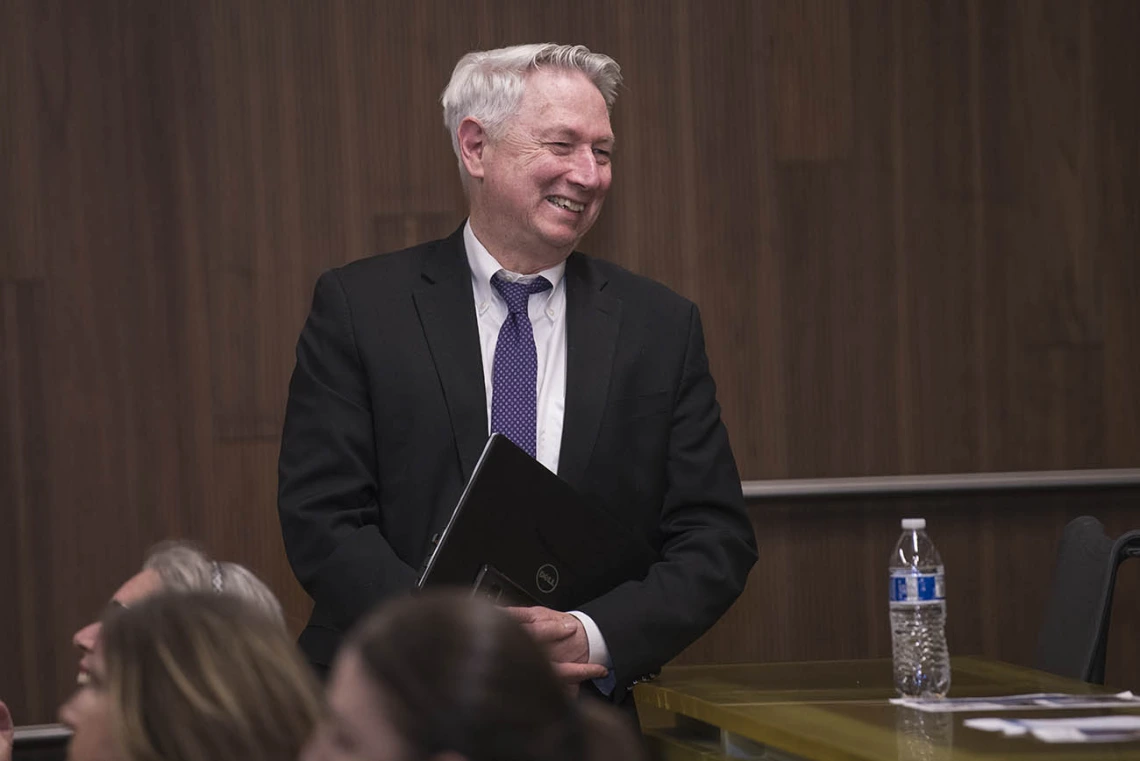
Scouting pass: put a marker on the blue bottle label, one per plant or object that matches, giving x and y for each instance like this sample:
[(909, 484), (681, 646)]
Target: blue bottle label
[(917, 587)]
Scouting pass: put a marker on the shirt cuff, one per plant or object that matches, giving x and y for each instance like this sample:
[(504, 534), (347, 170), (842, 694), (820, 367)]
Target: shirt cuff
[(599, 653)]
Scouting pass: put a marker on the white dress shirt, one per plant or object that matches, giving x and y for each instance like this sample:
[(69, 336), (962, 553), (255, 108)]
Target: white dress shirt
[(548, 320)]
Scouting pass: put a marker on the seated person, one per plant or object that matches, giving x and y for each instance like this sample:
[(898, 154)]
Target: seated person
[(193, 676), (180, 567), (7, 732), (446, 676), (173, 565)]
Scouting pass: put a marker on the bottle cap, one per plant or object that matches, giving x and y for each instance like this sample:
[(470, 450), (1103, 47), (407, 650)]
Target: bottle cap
[(913, 524)]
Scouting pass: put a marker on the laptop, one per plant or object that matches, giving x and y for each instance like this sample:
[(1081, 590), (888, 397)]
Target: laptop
[(523, 536)]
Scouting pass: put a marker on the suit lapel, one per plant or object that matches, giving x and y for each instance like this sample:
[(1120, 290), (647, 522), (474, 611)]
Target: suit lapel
[(446, 307), (592, 321)]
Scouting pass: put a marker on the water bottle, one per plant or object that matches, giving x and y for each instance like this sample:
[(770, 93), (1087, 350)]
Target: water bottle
[(918, 614)]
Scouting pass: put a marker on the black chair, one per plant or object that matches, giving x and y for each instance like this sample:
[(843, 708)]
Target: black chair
[(1074, 634)]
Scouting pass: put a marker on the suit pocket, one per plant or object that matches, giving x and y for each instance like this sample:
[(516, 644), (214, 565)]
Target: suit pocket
[(641, 406)]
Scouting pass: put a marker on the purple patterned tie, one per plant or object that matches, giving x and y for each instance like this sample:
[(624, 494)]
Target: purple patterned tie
[(513, 397)]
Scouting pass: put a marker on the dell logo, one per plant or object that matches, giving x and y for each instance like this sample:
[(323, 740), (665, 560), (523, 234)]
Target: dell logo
[(546, 579)]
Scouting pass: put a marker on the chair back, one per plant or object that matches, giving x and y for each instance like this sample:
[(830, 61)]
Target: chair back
[(1074, 634)]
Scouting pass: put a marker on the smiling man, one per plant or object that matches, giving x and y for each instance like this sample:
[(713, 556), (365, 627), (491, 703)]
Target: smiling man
[(409, 360)]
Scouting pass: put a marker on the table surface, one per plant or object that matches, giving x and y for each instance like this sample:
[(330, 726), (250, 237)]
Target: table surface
[(839, 711)]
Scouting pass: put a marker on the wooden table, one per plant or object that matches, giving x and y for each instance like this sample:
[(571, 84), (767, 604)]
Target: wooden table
[(839, 711)]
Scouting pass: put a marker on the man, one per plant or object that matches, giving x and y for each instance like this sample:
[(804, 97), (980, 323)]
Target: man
[(409, 360), (181, 567)]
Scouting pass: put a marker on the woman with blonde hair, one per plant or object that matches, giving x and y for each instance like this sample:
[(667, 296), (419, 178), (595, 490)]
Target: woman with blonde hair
[(193, 677)]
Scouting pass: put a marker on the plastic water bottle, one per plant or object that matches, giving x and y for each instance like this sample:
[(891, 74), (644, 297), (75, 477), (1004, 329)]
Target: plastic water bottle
[(918, 614)]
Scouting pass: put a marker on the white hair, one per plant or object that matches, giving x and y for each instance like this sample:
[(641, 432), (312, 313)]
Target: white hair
[(184, 567), (487, 85)]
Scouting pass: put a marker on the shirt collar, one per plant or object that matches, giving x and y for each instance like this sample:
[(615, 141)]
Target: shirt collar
[(484, 267)]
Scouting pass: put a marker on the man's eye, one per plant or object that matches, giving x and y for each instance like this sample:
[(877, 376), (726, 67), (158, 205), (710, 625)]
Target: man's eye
[(561, 147), (603, 156)]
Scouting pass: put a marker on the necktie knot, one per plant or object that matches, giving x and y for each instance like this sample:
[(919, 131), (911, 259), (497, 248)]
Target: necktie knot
[(517, 295)]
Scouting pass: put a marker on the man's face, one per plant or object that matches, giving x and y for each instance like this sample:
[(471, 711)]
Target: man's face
[(141, 585), (545, 179)]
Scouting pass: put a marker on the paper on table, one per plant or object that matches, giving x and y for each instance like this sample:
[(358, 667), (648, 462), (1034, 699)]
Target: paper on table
[(1034, 701), (1087, 729)]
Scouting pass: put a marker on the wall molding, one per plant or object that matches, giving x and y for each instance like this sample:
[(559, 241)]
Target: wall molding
[(946, 483)]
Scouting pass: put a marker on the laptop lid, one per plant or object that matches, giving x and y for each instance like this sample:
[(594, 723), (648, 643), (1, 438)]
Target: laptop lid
[(530, 528)]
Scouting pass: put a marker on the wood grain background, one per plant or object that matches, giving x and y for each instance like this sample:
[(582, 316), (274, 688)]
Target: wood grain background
[(912, 227)]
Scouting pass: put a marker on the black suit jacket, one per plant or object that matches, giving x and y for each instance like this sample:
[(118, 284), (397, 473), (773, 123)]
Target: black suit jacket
[(386, 418)]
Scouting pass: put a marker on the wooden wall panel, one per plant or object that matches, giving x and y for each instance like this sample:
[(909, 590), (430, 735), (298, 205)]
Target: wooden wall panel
[(811, 74), (934, 295), (725, 100), (20, 254), (26, 557), (911, 228), (876, 421), (1054, 324), (1116, 221)]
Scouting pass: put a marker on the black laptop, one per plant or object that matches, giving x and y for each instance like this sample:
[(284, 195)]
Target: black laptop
[(523, 536)]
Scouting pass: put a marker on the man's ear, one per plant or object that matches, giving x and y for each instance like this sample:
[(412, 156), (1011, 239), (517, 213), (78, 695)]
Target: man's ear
[(472, 144)]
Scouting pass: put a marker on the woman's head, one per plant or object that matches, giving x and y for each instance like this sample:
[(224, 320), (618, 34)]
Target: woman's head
[(179, 566), (193, 677), (445, 676)]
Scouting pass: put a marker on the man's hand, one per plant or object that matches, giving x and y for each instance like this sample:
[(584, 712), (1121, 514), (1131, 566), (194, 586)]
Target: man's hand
[(7, 733), (564, 639)]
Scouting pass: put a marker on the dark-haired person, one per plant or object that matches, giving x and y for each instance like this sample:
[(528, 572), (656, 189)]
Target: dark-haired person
[(452, 678)]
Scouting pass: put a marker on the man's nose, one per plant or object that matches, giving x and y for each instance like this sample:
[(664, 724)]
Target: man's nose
[(586, 171)]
